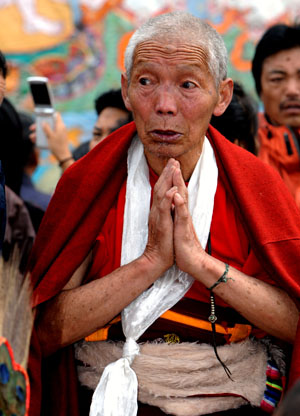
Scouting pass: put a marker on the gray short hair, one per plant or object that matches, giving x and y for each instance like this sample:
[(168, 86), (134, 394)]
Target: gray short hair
[(184, 26)]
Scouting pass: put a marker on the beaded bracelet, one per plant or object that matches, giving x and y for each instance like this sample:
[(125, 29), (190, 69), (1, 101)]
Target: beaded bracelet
[(223, 279)]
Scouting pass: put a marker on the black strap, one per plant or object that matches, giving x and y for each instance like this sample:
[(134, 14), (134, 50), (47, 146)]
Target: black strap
[(295, 140), (226, 369), (209, 245), (213, 320), (288, 144)]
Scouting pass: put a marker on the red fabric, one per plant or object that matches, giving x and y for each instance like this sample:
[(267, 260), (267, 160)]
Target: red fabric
[(228, 241), (273, 151), (89, 188)]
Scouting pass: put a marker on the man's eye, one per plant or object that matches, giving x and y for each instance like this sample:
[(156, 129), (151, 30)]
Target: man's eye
[(144, 81), (188, 85), (276, 80)]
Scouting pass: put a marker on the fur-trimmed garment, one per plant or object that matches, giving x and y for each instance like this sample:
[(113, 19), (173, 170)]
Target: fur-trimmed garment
[(76, 214), (185, 379)]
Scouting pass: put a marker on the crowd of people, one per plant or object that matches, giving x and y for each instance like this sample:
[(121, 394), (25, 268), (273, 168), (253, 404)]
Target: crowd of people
[(165, 266)]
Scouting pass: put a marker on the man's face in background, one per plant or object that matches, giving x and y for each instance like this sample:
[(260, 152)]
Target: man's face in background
[(108, 121), (280, 87)]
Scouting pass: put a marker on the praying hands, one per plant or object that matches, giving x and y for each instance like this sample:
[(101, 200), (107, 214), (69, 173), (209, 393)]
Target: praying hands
[(172, 237)]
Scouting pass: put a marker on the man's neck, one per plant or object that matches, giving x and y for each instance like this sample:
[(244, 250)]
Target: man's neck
[(187, 162), (296, 130)]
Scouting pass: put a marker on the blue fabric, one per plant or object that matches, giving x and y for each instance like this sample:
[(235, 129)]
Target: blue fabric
[(32, 195), (4, 374), (2, 206)]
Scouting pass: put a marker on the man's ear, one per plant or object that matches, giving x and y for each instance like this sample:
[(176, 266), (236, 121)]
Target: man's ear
[(225, 96), (124, 86)]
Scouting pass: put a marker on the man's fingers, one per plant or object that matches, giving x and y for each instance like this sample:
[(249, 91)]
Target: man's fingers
[(179, 182), (59, 123), (181, 209), (47, 129), (167, 201), (164, 182), (179, 200), (160, 237), (164, 208)]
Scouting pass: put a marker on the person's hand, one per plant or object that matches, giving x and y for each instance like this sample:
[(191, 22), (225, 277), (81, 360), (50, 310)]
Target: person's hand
[(188, 250), (32, 135), (58, 138), (160, 250)]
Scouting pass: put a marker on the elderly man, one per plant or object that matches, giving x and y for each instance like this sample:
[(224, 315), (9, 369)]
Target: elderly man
[(187, 236), (276, 70)]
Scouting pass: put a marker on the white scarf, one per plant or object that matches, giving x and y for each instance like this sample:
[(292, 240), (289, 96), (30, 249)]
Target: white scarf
[(116, 393)]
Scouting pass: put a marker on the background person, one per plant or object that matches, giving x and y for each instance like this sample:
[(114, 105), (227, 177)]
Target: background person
[(111, 114), (15, 224), (276, 71), (3, 72), (239, 121), (11, 146), (19, 229), (35, 200)]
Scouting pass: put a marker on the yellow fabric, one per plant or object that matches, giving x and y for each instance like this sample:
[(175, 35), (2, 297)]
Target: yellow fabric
[(102, 334), (237, 333)]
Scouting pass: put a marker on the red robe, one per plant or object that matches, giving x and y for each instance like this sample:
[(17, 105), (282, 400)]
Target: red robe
[(278, 148), (228, 242), (87, 191)]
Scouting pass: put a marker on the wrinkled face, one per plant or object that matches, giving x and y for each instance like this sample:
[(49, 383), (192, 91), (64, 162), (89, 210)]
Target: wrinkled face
[(172, 96), (108, 121), (2, 87), (280, 87)]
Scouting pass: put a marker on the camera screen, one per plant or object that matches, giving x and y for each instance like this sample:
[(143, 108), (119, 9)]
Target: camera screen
[(40, 94)]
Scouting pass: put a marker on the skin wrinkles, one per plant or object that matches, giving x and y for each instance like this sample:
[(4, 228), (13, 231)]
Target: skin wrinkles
[(186, 71), (191, 53), (172, 97)]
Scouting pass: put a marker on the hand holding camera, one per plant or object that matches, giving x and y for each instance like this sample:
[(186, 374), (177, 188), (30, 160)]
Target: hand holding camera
[(43, 108)]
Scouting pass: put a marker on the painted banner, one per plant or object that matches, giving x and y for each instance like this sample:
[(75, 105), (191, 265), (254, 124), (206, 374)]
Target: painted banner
[(79, 46)]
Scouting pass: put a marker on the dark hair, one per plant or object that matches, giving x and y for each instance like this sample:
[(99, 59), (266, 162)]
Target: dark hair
[(28, 147), (239, 121), (11, 141), (277, 38), (3, 65), (111, 98)]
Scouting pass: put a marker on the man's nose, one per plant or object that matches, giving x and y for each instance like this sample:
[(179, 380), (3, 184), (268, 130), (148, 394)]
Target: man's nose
[(166, 103), (293, 86)]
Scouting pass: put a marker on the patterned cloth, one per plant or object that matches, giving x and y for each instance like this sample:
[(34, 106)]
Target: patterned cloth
[(274, 388)]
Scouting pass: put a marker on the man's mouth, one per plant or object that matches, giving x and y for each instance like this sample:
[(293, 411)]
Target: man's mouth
[(167, 136), (291, 106)]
